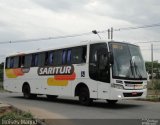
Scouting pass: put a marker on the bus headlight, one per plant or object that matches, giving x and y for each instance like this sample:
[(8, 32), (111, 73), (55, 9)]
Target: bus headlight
[(117, 86)]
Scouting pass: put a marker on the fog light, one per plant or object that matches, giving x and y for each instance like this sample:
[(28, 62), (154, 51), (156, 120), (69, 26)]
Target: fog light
[(119, 96)]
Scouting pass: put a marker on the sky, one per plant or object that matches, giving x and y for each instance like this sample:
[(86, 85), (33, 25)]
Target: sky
[(27, 19)]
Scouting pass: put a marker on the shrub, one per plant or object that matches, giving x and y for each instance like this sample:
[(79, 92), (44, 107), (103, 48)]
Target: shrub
[(157, 85)]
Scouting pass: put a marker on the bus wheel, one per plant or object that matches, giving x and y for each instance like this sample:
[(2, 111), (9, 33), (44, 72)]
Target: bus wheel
[(84, 98), (26, 92), (52, 97), (112, 102)]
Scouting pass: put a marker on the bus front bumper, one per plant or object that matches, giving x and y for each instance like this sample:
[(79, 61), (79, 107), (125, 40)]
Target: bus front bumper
[(119, 94)]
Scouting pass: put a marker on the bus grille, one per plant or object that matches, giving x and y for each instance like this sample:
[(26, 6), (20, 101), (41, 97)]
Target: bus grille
[(132, 94), (131, 82)]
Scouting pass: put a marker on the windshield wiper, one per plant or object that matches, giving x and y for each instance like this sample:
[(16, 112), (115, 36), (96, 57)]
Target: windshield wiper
[(137, 71), (131, 66)]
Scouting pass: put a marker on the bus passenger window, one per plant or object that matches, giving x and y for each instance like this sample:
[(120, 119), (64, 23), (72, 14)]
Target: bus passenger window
[(11, 62), (16, 62), (8, 62), (69, 57), (84, 54), (41, 59), (64, 56), (78, 55), (34, 60), (50, 58), (21, 62), (27, 61), (58, 57)]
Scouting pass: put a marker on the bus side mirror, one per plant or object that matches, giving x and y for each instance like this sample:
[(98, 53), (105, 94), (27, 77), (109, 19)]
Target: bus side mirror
[(111, 59)]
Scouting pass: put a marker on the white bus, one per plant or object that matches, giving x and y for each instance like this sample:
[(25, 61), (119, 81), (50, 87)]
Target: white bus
[(90, 70)]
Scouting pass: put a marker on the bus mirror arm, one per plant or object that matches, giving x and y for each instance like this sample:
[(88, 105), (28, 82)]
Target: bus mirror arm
[(110, 57)]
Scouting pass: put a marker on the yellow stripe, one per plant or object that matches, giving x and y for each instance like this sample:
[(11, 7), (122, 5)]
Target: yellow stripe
[(53, 82), (10, 73)]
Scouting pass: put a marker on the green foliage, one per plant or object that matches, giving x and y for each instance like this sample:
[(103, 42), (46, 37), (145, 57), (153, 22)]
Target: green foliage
[(157, 85), (1, 65), (17, 116), (156, 68)]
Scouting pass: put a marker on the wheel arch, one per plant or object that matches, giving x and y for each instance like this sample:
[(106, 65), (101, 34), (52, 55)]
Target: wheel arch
[(78, 87), (24, 84)]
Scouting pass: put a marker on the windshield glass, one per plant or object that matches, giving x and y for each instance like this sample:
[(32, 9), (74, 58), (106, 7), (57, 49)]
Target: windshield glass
[(128, 61)]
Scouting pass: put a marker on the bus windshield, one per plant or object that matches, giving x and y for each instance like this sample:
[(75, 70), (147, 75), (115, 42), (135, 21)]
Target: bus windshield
[(128, 61)]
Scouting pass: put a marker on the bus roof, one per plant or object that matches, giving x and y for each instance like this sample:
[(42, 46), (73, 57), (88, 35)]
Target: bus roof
[(62, 46)]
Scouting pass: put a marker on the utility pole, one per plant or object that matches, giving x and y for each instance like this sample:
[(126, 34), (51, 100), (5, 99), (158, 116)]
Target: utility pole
[(152, 60), (111, 33), (108, 33)]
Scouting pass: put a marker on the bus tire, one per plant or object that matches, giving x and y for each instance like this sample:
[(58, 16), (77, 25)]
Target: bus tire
[(27, 93), (51, 97), (112, 102), (84, 97)]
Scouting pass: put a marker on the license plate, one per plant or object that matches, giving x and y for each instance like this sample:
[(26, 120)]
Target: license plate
[(134, 93)]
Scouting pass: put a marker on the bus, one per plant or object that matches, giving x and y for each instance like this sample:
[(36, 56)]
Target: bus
[(90, 70)]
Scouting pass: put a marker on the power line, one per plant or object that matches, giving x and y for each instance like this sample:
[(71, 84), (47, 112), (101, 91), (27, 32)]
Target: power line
[(138, 27), (157, 41), (132, 28), (82, 34), (47, 38)]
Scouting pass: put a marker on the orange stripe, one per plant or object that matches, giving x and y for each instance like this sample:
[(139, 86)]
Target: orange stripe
[(65, 77), (18, 72)]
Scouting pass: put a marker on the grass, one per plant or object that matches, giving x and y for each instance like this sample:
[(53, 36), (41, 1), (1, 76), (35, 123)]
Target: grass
[(155, 85), (16, 116), (154, 98)]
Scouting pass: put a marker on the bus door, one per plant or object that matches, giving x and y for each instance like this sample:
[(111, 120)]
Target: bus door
[(103, 72), (99, 68)]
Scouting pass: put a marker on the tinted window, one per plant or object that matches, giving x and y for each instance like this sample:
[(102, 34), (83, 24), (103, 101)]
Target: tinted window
[(27, 60), (57, 57), (11, 62), (8, 63), (69, 57), (78, 55), (41, 59), (98, 62), (50, 58), (21, 61), (64, 55), (16, 62), (34, 60)]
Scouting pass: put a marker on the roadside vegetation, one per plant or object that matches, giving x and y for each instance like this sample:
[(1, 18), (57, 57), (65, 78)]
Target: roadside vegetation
[(10, 115), (154, 90), (153, 85)]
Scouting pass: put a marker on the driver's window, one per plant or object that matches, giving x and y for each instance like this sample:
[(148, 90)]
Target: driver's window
[(98, 61)]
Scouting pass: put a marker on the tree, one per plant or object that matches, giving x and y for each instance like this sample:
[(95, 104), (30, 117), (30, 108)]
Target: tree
[(156, 68)]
